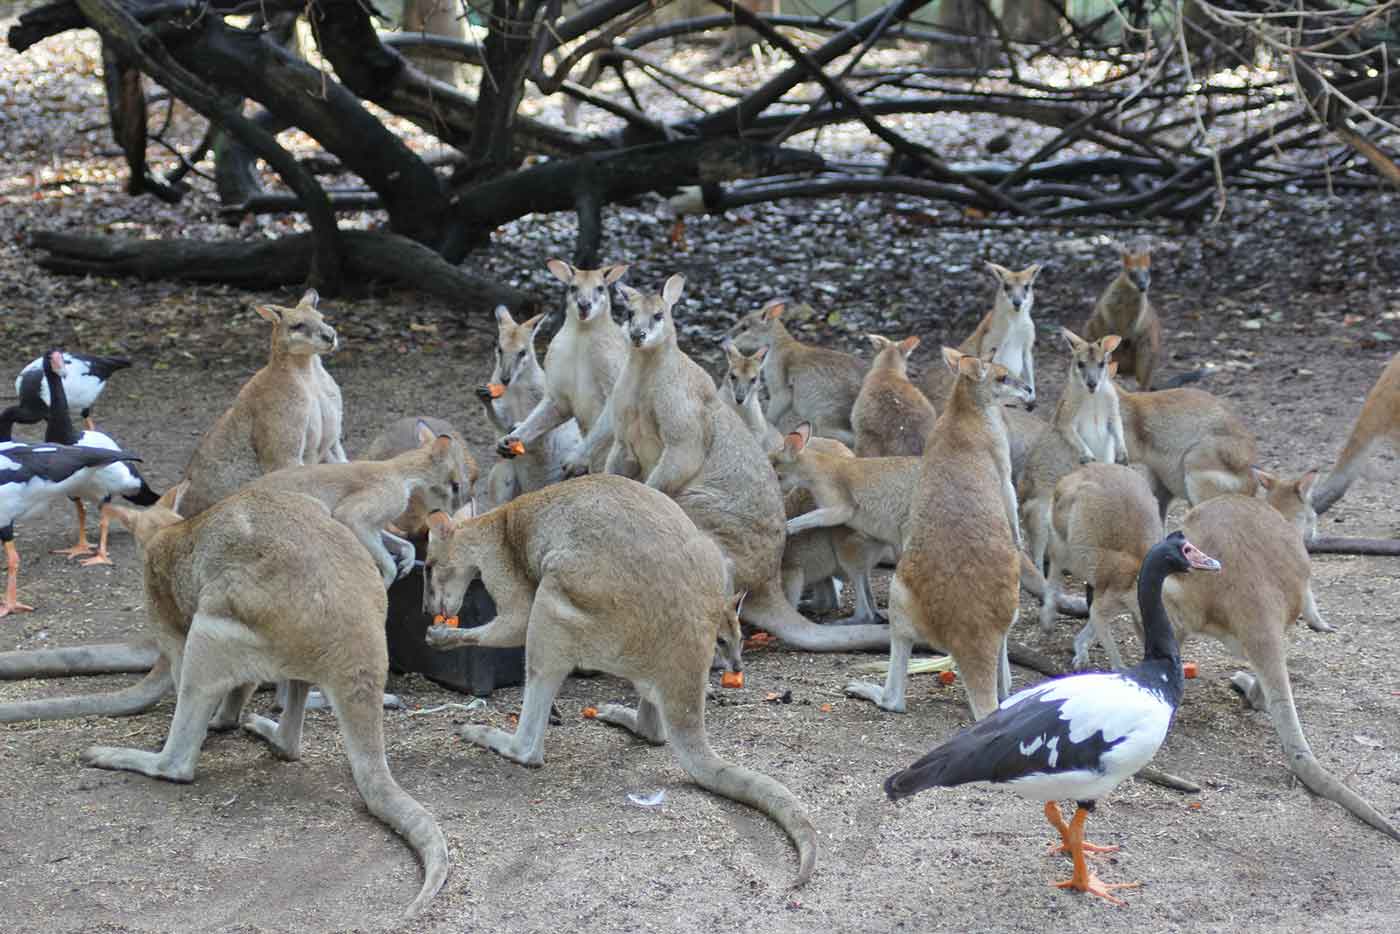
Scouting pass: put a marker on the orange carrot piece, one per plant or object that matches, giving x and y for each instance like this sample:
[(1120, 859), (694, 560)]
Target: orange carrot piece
[(1189, 669), (731, 679)]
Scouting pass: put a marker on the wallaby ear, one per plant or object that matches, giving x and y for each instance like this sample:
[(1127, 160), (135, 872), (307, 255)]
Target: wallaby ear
[(796, 440), (426, 435), (310, 299), (1074, 341), (998, 272), (1264, 478), (439, 524), (951, 356), (123, 514), (878, 342), (1032, 271), (442, 447), (775, 310), (1110, 343), (269, 313), (503, 315), (736, 603), (1305, 485), (629, 294), (532, 323), (1112, 369), (613, 273), (760, 353), (910, 344), (562, 270), (972, 368), (671, 291)]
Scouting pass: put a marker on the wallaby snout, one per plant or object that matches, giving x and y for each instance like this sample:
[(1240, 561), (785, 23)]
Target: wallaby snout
[(1141, 278)]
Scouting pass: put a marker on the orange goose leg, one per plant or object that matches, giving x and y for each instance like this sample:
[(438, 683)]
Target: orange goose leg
[(12, 604), (83, 546), (101, 556), (1083, 880), (1057, 820)]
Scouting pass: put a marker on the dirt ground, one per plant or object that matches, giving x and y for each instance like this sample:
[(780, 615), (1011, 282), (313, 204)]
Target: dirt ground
[(1293, 304)]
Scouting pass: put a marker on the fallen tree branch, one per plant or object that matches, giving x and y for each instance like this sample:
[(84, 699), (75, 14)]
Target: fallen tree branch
[(1383, 547)]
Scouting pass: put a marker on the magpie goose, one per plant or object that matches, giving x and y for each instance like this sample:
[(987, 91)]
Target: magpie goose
[(32, 475), (103, 483), (1080, 736), (84, 378)]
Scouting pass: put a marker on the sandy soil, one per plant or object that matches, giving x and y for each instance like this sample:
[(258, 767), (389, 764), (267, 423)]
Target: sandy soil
[(1284, 300)]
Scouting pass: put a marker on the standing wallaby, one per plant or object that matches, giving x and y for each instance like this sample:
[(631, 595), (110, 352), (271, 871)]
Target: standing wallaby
[(739, 389), (957, 582), (580, 366), (811, 384), (1379, 421), (1248, 607), (288, 413), (669, 422), (580, 573), (1103, 523), (240, 594), (1006, 332), (1192, 445), (1087, 427), (516, 386), (1125, 310), (366, 496), (891, 417)]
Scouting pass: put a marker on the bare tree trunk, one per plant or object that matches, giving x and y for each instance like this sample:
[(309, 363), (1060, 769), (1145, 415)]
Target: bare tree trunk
[(1030, 20), (964, 18)]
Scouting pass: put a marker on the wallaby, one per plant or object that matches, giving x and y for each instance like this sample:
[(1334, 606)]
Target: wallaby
[(435, 18), (670, 423), (368, 495), (1248, 607), (1006, 332), (739, 389), (811, 384), (288, 413), (1293, 499), (891, 417), (1087, 427), (399, 437), (581, 365), (1192, 445), (578, 572), (957, 582), (1124, 309), (516, 386), (1379, 421), (238, 595), (1103, 523)]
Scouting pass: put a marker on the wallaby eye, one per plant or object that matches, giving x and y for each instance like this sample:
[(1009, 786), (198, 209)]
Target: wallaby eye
[(520, 356), (299, 327), (456, 487), (658, 316)]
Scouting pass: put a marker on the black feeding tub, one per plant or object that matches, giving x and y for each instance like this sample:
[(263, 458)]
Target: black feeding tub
[(471, 670)]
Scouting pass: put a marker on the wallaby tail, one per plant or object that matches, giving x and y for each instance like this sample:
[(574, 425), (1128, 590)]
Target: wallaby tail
[(746, 786), (1303, 764), (1183, 379), (139, 697), (1033, 583), (768, 608), (358, 708), (78, 660), (1345, 471)]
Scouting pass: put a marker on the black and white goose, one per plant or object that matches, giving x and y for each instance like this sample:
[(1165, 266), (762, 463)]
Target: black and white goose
[(1076, 737), (119, 478), (32, 476), (84, 378)]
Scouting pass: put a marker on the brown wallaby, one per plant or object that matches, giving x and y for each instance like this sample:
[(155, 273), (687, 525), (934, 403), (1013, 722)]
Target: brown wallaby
[(238, 595), (578, 571), (288, 413), (399, 437), (516, 386), (1379, 421), (1103, 523), (669, 421), (1006, 332), (1125, 310), (956, 584), (1192, 445), (891, 417), (1087, 427), (366, 496), (434, 18), (739, 389), (1248, 607), (806, 383), (582, 363)]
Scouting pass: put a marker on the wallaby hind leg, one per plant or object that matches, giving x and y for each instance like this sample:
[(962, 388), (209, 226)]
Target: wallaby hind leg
[(644, 721), (1207, 475), (767, 608), (1311, 616), (1099, 629), (284, 734), (204, 680), (1004, 669), (891, 696), (526, 744), (230, 712)]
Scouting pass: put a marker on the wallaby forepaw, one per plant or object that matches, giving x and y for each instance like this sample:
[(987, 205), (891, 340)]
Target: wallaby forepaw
[(445, 637), (270, 731), (1318, 624), (508, 446)]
